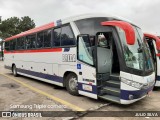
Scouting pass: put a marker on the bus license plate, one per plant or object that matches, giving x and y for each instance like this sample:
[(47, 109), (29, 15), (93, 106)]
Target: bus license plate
[(87, 87), (150, 92)]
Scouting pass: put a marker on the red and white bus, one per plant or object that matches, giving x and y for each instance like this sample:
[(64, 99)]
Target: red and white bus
[(95, 55), (154, 46)]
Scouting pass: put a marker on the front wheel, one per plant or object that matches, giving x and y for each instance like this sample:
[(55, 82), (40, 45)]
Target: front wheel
[(71, 84), (14, 71)]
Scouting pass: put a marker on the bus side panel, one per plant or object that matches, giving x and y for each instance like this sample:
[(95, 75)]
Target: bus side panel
[(67, 61), (8, 60), (87, 84), (43, 65)]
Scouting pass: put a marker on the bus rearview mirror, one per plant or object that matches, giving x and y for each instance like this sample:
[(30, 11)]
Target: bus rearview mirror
[(128, 29)]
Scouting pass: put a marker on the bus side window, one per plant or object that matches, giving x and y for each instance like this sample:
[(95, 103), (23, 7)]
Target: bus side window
[(28, 43), (31, 42), (40, 38), (47, 38), (56, 37), (13, 44), (20, 43), (67, 37), (7, 45)]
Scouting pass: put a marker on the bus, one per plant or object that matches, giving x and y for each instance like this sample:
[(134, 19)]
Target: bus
[(96, 55), (154, 46)]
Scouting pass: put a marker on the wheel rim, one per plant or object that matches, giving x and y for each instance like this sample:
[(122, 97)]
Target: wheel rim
[(73, 84)]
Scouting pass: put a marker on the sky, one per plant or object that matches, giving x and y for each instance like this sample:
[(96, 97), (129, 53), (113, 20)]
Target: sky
[(144, 13)]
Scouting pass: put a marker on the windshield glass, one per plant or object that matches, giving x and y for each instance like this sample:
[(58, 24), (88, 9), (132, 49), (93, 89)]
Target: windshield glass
[(136, 56), (147, 53)]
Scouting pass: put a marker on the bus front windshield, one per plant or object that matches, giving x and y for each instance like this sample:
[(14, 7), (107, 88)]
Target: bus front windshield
[(136, 56)]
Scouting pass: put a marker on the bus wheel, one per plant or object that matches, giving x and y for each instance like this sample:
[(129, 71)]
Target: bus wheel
[(14, 70), (71, 84)]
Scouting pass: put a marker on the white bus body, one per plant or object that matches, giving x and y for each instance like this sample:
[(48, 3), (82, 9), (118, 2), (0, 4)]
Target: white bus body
[(56, 65)]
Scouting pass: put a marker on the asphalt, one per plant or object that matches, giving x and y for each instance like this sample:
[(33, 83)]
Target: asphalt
[(18, 91)]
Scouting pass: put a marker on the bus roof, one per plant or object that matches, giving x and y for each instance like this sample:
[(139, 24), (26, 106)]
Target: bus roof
[(92, 15), (67, 20), (155, 38), (37, 29)]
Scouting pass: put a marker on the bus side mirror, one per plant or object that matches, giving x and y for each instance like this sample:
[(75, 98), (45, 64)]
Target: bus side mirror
[(128, 29)]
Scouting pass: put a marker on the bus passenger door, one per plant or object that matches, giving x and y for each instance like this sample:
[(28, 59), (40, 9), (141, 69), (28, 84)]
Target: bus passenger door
[(87, 85), (104, 55)]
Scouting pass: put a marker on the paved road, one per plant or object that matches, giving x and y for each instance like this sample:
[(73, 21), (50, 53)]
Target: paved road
[(14, 93)]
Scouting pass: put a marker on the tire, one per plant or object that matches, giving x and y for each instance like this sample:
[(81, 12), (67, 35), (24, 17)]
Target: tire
[(14, 70), (71, 84)]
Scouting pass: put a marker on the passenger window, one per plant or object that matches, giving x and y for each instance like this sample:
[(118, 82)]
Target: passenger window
[(27, 43), (13, 44), (7, 45), (31, 42), (67, 37), (20, 43), (57, 37), (47, 38), (40, 37)]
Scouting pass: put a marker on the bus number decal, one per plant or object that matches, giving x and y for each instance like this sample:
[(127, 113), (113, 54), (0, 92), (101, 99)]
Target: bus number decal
[(68, 57)]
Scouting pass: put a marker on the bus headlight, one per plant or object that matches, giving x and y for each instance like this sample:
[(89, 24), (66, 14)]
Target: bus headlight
[(132, 83)]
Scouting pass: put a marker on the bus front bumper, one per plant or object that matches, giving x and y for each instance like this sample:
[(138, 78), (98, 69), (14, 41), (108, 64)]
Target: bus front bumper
[(128, 97)]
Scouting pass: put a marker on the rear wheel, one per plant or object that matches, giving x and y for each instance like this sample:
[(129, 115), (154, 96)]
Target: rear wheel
[(14, 70), (71, 84)]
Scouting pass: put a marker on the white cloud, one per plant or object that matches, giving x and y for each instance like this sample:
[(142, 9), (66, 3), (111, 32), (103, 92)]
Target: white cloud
[(144, 13)]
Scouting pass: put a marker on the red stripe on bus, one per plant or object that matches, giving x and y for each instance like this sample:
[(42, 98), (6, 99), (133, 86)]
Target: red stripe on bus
[(155, 38), (31, 31), (158, 54), (34, 51)]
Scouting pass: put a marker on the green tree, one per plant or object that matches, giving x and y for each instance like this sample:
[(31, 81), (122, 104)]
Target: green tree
[(26, 23), (15, 25)]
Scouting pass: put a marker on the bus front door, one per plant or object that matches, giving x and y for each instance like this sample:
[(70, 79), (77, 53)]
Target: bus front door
[(103, 56), (87, 84)]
